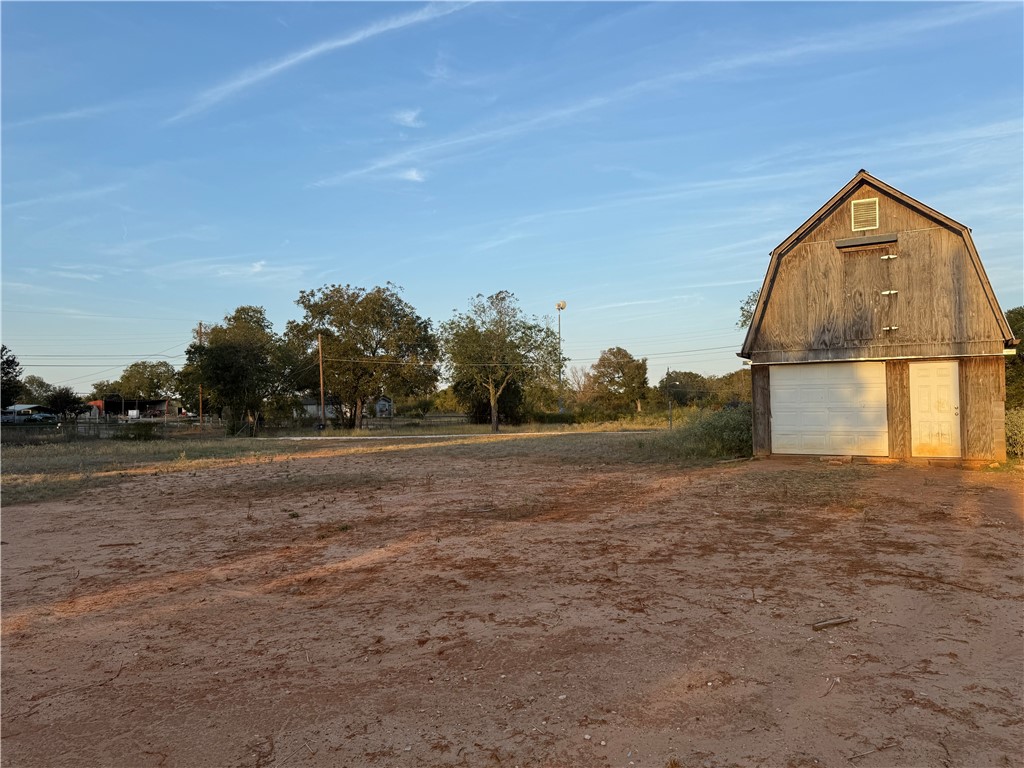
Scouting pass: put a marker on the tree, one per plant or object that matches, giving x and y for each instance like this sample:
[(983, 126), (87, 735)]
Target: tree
[(236, 363), (1015, 363), (684, 388), (619, 381), (147, 380), (730, 389), (35, 390), (747, 307), (10, 377), (66, 402), (476, 402), (103, 388), (494, 344), (374, 343)]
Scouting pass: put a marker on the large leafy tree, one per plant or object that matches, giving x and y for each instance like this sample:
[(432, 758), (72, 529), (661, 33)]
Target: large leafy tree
[(103, 388), (685, 388), (374, 343), (10, 377), (147, 380), (619, 381), (66, 402), (237, 363), (1015, 364), (493, 345), (35, 389)]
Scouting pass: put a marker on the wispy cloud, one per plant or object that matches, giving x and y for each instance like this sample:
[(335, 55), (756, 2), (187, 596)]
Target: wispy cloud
[(412, 174), (83, 113), (442, 147), (867, 37), (261, 72), (408, 118), (500, 240), (142, 245), (74, 273), (65, 197), (240, 267)]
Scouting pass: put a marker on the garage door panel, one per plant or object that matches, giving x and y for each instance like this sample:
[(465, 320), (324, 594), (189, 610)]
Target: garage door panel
[(829, 408)]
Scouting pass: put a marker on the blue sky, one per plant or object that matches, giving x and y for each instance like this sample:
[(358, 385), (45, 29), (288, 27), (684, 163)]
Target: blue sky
[(164, 163)]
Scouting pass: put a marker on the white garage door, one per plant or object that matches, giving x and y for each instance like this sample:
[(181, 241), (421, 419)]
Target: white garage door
[(835, 409)]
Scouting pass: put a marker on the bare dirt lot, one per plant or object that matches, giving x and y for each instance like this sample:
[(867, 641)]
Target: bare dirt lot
[(512, 604)]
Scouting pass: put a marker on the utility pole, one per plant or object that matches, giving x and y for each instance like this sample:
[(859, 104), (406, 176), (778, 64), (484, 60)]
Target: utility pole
[(669, 401), (323, 411), (200, 380), (560, 306)]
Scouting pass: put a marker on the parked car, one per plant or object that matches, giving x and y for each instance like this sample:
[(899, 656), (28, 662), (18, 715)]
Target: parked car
[(41, 418)]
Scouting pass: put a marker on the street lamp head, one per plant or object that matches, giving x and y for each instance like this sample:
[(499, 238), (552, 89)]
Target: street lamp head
[(560, 306)]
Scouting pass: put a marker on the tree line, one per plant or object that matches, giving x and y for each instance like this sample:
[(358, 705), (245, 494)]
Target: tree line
[(501, 366)]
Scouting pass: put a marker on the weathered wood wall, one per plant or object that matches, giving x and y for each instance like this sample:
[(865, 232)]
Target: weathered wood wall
[(982, 404), (897, 386), (826, 303), (762, 409)]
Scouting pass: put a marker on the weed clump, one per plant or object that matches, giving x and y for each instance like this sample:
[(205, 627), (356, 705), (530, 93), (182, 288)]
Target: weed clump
[(1015, 433), (707, 434)]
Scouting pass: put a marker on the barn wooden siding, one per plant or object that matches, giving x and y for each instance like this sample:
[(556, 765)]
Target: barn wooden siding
[(982, 408), (827, 301)]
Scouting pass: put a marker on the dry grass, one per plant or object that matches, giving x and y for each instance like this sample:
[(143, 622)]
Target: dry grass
[(35, 473)]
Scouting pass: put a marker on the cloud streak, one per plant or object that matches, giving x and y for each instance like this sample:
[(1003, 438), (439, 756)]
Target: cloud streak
[(867, 37), (254, 76), (83, 113), (65, 197)]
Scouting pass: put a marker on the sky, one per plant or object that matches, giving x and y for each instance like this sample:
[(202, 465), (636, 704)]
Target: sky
[(165, 163)]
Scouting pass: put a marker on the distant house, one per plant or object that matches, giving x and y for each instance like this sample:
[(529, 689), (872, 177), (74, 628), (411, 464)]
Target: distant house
[(311, 407), (877, 333)]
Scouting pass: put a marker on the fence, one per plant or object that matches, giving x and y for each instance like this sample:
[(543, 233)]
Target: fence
[(14, 434)]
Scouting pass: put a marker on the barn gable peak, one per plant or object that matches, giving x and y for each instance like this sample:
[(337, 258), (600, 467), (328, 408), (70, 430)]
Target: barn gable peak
[(865, 213)]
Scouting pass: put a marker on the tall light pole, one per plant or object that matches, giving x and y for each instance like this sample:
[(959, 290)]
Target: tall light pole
[(560, 306)]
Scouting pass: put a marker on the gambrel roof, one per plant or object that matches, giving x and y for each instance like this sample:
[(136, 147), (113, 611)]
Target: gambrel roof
[(805, 232)]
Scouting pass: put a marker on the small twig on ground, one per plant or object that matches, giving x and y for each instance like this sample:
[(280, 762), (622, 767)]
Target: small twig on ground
[(872, 751), (285, 759), (832, 623), (122, 544), (830, 685)]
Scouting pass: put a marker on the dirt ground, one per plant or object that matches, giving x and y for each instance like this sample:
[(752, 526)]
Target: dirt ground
[(443, 606)]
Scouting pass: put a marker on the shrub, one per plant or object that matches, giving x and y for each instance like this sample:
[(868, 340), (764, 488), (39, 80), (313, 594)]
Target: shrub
[(1015, 433), (723, 434)]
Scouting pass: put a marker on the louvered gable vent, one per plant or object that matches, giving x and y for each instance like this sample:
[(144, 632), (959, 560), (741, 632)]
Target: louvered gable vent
[(864, 214)]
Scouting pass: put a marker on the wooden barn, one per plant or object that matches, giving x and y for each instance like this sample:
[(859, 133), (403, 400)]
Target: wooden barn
[(877, 333)]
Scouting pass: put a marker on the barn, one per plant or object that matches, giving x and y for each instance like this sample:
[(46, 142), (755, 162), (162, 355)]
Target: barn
[(877, 333)]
